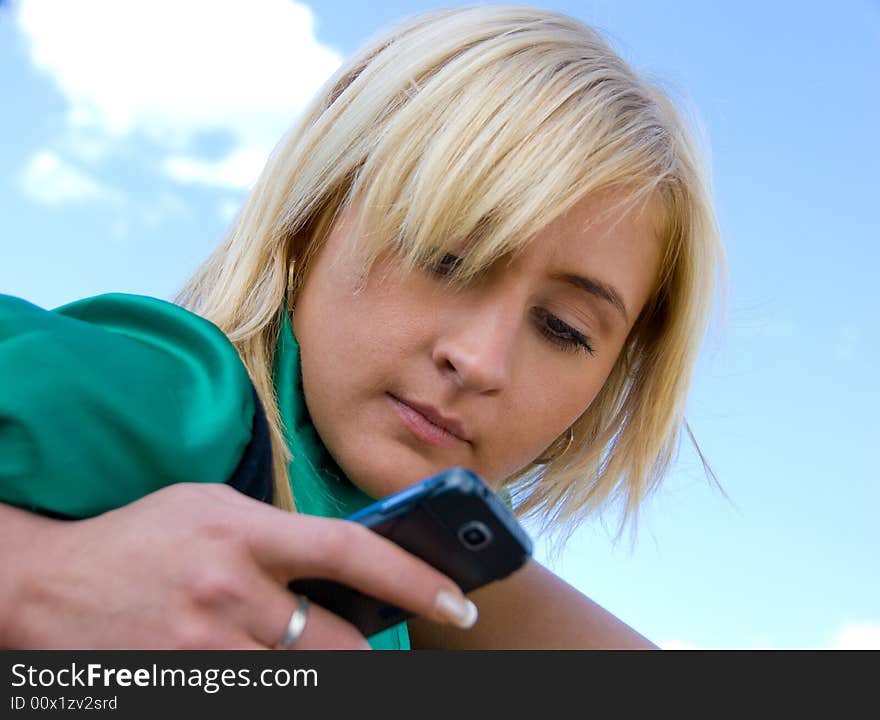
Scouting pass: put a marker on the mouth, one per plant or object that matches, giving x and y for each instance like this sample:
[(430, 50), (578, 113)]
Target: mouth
[(429, 424)]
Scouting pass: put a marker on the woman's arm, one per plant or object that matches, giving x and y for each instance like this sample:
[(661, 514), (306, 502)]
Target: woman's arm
[(21, 534), (110, 398), (196, 566), (532, 609)]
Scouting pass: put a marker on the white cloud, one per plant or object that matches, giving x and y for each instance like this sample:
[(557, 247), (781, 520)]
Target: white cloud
[(852, 636), (49, 179), (236, 170), (857, 637), (171, 69)]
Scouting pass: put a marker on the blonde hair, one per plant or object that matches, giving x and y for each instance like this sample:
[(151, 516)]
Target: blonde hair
[(473, 128)]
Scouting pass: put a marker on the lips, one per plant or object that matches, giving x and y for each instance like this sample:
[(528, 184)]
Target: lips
[(429, 423)]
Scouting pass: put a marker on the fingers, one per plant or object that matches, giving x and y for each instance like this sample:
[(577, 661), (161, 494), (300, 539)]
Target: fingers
[(300, 546), (326, 631), (322, 631), (260, 541)]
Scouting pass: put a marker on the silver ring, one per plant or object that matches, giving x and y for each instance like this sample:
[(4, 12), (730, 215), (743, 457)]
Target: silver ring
[(296, 624)]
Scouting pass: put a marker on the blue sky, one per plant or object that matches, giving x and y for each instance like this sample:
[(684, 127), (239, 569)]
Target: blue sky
[(130, 136)]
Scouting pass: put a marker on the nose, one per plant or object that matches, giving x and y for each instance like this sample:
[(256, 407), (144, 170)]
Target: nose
[(477, 351)]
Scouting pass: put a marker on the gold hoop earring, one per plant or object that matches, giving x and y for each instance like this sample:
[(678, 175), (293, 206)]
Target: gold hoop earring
[(547, 459), (291, 283)]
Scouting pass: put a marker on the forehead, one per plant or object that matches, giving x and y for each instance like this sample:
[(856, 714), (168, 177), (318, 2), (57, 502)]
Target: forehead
[(603, 223), (602, 238)]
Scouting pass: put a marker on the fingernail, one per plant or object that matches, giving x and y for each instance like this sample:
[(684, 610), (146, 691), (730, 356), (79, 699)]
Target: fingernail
[(456, 608)]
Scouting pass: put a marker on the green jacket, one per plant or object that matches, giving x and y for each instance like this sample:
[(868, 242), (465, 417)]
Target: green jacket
[(110, 398)]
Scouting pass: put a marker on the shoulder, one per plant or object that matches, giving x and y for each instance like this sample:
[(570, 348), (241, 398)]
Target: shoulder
[(116, 396)]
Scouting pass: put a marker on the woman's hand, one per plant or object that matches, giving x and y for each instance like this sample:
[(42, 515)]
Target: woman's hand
[(200, 566)]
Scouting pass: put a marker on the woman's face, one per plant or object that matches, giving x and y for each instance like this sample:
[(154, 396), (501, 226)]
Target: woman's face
[(408, 376)]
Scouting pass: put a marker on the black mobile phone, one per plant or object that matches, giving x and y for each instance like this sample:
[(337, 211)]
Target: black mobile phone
[(453, 521)]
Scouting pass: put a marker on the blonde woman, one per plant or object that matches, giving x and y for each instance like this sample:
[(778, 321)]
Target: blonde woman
[(488, 243)]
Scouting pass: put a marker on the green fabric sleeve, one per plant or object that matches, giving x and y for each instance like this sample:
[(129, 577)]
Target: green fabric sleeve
[(110, 398)]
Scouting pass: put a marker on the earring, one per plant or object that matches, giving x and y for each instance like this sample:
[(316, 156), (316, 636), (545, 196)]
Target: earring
[(291, 283), (547, 459)]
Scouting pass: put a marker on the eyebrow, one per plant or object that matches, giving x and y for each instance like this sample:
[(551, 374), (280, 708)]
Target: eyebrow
[(598, 289)]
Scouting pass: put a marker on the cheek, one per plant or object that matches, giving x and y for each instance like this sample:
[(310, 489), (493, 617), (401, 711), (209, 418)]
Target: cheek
[(341, 356), (348, 361), (344, 332), (549, 404)]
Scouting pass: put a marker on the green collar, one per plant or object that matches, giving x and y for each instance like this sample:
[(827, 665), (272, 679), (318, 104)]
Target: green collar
[(318, 484)]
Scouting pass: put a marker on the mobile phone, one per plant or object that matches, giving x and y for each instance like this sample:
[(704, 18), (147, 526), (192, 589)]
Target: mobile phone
[(453, 521)]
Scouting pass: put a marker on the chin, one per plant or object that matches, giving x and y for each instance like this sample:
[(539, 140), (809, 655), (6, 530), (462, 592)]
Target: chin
[(393, 474)]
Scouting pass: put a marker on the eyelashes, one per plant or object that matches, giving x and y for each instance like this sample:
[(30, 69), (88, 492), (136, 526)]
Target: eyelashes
[(552, 329), (562, 334), (447, 265)]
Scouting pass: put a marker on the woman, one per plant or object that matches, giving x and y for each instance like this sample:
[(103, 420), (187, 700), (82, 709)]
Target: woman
[(488, 243)]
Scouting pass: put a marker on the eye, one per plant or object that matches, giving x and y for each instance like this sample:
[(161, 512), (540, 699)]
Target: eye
[(447, 265), (561, 333)]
